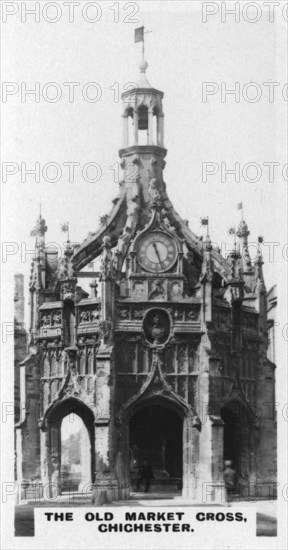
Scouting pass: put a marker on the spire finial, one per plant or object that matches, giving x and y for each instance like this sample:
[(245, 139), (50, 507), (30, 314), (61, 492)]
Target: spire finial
[(205, 221), (243, 230), (240, 207), (259, 257), (39, 229), (139, 37), (143, 66)]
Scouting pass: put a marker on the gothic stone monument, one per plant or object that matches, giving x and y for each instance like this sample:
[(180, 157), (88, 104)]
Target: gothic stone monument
[(169, 363)]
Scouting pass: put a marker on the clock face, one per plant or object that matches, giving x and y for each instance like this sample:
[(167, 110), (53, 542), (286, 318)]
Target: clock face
[(156, 252)]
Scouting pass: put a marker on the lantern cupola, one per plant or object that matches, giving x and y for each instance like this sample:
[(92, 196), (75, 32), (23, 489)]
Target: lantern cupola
[(143, 118)]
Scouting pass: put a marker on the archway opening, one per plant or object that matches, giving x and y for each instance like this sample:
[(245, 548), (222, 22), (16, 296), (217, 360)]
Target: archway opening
[(156, 438), (130, 127), (71, 447), (237, 438), (143, 130), (76, 467)]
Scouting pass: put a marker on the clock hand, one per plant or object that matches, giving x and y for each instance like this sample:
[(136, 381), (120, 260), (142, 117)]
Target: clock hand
[(157, 254)]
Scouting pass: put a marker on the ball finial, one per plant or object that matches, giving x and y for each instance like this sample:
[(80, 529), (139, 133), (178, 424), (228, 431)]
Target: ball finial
[(143, 66)]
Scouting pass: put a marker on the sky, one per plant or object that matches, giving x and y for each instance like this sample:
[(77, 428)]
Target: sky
[(185, 56), (71, 425)]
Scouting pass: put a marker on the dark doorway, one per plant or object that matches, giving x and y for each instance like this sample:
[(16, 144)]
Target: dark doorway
[(155, 435), (231, 435), (237, 437)]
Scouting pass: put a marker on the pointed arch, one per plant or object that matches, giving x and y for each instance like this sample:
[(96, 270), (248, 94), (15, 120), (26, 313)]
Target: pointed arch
[(53, 421), (58, 410)]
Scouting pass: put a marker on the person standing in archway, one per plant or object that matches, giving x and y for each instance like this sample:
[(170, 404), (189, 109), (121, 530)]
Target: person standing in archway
[(145, 474), (229, 476)]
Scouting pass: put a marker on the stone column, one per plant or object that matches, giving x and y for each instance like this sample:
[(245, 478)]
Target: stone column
[(160, 130), (190, 459), (125, 131), (135, 118), (54, 469), (210, 487), (19, 458), (122, 460), (45, 464), (217, 448), (85, 460), (106, 484), (150, 126)]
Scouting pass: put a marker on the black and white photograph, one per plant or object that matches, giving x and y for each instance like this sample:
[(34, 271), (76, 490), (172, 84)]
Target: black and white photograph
[(144, 274)]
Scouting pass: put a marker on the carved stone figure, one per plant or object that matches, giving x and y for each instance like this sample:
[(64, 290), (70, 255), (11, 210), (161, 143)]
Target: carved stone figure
[(46, 319), (157, 331), (56, 318), (105, 328), (107, 264), (95, 315), (158, 291), (176, 290), (138, 290), (85, 316)]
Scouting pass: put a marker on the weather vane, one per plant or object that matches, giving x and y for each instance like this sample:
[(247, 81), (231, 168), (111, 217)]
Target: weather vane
[(139, 37), (65, 229), (205, 221)]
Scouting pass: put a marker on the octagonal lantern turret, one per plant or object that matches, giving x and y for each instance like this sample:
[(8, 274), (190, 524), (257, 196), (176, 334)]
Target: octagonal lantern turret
[(143, 118)]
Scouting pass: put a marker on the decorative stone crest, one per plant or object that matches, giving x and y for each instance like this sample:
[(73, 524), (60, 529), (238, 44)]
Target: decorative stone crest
[(51, 320), (138, 313), (88, 316), (123, 313), (157, 331), (68, 289), (156, 326), (192, 314), (177, 313)]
